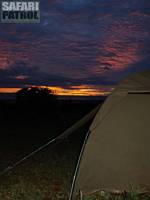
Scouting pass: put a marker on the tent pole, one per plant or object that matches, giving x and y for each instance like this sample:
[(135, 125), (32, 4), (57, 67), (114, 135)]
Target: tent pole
[(77, 166)]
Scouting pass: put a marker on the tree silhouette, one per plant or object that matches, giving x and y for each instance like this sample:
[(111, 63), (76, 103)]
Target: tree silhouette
[(35, 94), (36, 98)]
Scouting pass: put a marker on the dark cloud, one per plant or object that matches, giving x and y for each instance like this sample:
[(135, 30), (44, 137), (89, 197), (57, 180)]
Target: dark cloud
[(22, 75), (77, 42)]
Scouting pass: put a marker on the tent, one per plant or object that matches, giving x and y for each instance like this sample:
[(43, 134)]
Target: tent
[(116, 151)]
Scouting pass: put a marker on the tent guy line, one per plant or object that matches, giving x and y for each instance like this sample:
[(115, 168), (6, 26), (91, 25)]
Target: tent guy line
[(60, 137)]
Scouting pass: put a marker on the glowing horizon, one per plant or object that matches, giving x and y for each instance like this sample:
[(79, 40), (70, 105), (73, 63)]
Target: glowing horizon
[(82, 90)]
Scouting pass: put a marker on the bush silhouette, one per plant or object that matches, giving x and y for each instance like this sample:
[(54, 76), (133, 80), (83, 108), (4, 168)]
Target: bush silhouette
[(36, 98), (35, 94)]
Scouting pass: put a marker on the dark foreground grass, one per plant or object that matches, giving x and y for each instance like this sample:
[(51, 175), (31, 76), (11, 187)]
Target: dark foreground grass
[(46, 176), (132, 195)]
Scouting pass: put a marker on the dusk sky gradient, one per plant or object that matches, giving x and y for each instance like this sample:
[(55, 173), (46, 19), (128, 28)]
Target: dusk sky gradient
[(79, 44)]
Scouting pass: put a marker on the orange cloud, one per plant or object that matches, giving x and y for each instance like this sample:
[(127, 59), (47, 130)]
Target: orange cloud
[(7, 58), (9, 90), (119, 52), (21, 77)]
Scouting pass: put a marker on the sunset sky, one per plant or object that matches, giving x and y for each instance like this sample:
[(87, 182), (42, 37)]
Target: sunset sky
[(80, 46)]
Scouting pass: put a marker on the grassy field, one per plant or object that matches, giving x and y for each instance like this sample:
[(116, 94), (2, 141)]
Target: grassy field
[(45, 176), (132, 195), (48, 174)]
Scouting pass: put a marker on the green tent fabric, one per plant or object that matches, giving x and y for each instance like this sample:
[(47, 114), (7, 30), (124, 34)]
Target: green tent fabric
[(116, 153)]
